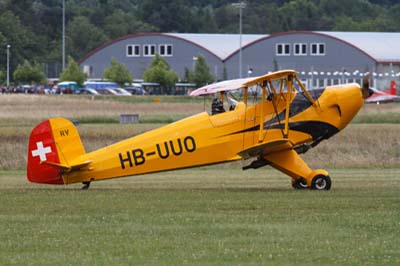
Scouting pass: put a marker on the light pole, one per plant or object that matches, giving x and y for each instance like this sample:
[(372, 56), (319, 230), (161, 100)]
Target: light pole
[(63, 37), (8, 65), (240, 5)]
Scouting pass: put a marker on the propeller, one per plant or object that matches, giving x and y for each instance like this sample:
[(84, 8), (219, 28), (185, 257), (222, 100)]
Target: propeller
[(366, 90)]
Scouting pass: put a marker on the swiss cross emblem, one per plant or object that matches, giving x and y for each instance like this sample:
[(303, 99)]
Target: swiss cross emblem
[(41, 151)]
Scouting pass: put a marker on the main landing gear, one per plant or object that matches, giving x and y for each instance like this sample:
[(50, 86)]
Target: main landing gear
[(319, 182), (290, 163)]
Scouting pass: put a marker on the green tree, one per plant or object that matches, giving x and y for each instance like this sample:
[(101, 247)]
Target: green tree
[(120, 23), (2, 77), (160, 72), (299, 15), (201, 74), (26, 73), (163, 14), (24, 44), (118, 73), (188, 77), (73, 73), (83, 36)]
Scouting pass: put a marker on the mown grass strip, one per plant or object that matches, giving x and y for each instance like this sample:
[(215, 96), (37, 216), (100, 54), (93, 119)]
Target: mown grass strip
[(207, 216), (377, 118)]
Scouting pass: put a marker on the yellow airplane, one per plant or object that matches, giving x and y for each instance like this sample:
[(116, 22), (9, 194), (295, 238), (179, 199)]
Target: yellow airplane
[(276, 120)]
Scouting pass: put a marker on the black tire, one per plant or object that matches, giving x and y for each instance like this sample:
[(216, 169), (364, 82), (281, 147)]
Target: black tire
[(321, 182), (299, 183), (86, 185)]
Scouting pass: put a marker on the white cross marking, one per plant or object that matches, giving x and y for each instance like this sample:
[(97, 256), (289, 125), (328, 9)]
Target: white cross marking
[(41, 151)]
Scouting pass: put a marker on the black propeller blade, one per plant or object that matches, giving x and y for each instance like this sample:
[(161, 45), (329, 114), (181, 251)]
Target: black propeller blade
[(366, 91)]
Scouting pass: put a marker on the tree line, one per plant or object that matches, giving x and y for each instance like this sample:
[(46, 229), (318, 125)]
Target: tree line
[(158, 71), (33, 29)]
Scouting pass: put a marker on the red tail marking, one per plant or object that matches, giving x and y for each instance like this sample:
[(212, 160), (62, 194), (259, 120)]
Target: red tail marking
[(392, 89), (42, 148)]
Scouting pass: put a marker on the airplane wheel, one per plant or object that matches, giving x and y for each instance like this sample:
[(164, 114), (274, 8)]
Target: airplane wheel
[(299, 183), (86, 185), (321, 182)]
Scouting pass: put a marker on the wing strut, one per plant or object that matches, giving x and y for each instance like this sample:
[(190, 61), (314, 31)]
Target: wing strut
[(260, 134), (290, 91), (271, 86), (309, 97)]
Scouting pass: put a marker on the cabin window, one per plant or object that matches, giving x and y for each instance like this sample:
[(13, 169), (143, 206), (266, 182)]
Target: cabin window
[(149, 49), (165, 49), (132, 50), (282, 49), (317, 49), (300, 49)]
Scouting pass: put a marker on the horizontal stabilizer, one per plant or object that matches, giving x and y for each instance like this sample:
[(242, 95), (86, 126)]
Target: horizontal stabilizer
[(67, 168), (266, 148)]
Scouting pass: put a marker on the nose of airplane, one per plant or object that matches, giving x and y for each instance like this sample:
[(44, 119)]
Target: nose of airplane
[(350, 99)]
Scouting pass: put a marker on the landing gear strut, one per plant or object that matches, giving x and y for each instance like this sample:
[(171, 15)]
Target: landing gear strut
[(86, 185)]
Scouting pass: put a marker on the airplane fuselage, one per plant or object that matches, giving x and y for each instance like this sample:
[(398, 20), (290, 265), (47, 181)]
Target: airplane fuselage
[(208, 139)]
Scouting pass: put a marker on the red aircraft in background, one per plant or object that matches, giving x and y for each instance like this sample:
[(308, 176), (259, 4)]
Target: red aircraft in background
[(384, 96)]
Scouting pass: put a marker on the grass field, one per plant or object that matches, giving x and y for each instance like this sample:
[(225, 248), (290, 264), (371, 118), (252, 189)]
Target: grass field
[(217, 215), (204, 216)]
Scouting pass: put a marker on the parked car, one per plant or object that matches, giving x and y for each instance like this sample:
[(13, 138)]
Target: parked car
[(122, 92), (106, 91), (136, 89), (88, 91)]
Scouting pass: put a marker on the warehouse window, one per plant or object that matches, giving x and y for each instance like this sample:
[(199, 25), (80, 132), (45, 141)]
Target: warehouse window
[(149, 50), (317, 49), (165, 49), (300, 49), (282, 49), (132, 50)]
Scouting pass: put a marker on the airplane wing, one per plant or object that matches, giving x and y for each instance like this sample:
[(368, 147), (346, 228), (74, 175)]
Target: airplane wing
[(270, 76), (266, 148), (381, 98), (375, 90), (235, 84), (226, 85)]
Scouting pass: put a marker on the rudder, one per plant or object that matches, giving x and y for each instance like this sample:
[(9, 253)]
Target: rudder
[(53, 144)]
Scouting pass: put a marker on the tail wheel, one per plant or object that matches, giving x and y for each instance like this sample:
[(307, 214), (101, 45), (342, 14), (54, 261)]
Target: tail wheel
[(299, 183), (321, 182)]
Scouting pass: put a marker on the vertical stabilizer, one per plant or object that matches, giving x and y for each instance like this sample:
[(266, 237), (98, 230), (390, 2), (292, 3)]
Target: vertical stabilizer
[(53, 144), (392, 89)]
